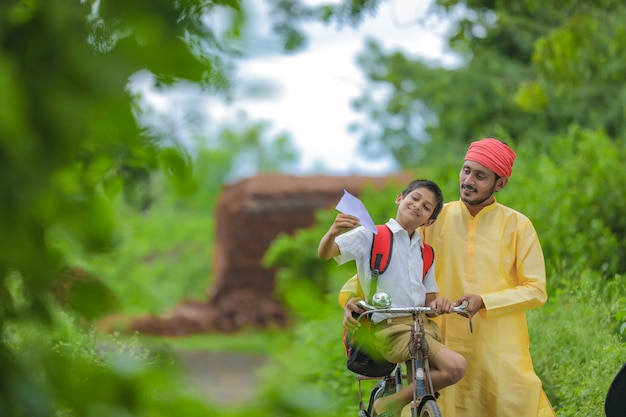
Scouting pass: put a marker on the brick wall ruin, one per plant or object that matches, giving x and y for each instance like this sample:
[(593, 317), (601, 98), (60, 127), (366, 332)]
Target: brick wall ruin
[(250, 214)]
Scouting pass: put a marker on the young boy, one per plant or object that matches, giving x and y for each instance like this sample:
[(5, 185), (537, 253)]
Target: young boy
[(418, 205)]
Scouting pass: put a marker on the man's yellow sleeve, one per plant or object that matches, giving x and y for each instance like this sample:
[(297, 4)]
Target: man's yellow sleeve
[(351, 289)]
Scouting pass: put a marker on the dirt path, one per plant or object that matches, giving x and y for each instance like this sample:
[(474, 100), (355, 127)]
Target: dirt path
[(223, 377)]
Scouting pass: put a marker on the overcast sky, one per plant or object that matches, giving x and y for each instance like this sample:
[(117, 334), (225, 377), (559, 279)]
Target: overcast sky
[(317, 84)]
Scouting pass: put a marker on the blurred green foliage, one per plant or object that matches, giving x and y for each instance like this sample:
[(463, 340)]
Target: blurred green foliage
[(64, 369), (79, 172), (164, 257)]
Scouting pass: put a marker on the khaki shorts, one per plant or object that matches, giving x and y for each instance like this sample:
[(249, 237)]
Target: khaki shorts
[(392, 338)]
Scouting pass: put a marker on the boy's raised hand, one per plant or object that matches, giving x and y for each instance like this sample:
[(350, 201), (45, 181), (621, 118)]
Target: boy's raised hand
[(343, 223)]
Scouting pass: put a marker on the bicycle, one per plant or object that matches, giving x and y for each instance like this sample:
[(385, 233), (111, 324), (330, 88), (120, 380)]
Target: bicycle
[(424, 403)]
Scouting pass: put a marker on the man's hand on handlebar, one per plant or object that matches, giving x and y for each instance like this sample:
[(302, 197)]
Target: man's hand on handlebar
[(474, 303), (349, 311)]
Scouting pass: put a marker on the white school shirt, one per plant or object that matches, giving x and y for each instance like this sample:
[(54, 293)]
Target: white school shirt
[(402, 279)]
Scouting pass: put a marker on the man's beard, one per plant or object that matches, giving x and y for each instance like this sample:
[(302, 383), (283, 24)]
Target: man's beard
[(478, 200)]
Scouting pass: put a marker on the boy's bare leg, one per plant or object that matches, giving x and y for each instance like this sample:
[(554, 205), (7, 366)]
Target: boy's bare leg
[(447, 368), (395, 402)]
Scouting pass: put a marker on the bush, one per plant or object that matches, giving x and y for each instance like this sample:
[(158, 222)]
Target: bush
[(165, 258), (575, 342), (106, 375), (571, 195)]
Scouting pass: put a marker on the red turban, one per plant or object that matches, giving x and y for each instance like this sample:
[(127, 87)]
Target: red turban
[(493, 154)]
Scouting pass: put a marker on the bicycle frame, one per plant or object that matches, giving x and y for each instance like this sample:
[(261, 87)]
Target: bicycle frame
[(418, 348)]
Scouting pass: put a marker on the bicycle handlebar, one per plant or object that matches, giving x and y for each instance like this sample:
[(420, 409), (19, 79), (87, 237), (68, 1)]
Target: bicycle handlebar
[(408, 310), (370, 309)]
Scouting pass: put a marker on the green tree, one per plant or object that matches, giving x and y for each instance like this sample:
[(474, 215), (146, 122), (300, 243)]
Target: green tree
[(525, 70), (71, 140)]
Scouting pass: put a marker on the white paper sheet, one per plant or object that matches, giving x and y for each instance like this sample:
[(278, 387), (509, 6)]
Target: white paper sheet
[(349, 204)]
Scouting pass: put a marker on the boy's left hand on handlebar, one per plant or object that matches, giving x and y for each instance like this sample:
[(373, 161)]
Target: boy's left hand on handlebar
[(442, 305)]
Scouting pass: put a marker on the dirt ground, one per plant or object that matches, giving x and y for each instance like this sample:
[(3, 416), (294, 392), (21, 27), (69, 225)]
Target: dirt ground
[(223, 378)]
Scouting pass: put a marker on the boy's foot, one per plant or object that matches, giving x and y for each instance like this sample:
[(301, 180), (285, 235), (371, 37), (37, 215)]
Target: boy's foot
[(386, 414), (380, 411)]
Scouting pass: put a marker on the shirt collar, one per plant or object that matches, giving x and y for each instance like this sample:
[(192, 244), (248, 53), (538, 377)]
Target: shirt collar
[(485, 209), (395, 227)]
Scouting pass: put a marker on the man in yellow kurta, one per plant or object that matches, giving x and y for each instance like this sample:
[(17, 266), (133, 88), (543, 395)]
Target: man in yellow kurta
[(490, 255)]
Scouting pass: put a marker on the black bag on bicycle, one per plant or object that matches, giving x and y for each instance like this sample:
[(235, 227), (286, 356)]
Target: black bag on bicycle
[(363, 357)]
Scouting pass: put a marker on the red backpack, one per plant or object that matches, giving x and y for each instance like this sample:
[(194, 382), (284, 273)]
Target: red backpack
[(381, 251)]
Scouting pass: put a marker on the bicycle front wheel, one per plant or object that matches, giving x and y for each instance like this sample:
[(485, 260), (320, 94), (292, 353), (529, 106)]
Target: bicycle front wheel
[(430, 409)]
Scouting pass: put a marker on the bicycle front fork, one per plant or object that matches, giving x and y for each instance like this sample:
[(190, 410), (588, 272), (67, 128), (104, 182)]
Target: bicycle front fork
[(420, 377)]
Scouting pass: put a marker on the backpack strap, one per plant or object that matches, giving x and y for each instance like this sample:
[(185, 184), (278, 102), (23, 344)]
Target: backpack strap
[(428, 256), (380, 254)]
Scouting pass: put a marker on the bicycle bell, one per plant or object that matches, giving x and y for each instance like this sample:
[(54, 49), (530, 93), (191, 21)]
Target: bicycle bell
[(381, 300)]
